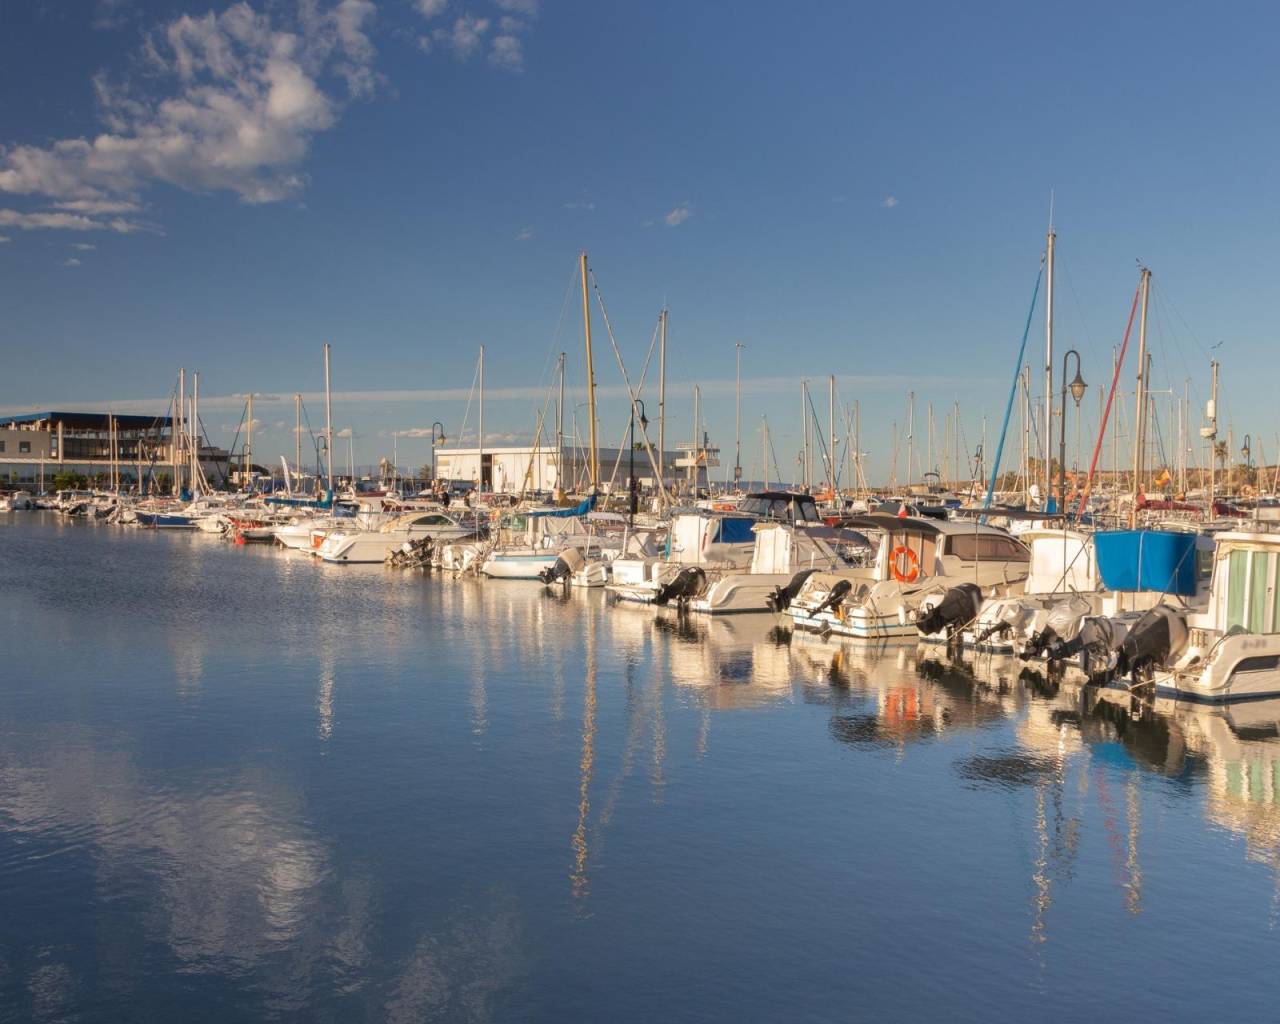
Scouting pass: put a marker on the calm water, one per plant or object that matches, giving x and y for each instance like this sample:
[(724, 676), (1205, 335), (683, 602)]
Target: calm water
[(237, 785)]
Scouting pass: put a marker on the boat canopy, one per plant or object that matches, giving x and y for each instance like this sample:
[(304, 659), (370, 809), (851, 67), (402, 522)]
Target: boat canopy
[(581, 509), (1163, 561)]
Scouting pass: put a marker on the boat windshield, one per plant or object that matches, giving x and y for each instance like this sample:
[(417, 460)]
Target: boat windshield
[(799, 508), (986, 547)]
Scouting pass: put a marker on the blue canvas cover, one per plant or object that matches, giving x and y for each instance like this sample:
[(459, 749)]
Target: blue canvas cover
[(1160, 560), (736, 531)]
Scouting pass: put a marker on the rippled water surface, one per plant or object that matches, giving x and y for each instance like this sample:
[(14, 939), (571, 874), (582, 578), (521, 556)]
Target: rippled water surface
[(238, 785)]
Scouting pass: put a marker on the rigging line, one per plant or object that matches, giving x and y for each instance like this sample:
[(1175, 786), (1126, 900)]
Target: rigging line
[(555, 337), (1106, 412), (818, 430), (777, 470), (466, 414), (1013, 390), (626, 379), (644, 372), (1071, 284)]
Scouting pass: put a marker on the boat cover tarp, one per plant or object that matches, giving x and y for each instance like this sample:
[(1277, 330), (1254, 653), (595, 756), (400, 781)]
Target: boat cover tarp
[(734, 530), (1163, 561), (581, 509)]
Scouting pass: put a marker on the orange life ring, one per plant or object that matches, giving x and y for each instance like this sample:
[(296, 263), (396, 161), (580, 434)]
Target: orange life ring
[(913, 573)]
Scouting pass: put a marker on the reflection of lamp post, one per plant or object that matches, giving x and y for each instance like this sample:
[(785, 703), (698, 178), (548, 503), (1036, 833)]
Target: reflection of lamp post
[(1078, 388), (644, 424), (437, 437)]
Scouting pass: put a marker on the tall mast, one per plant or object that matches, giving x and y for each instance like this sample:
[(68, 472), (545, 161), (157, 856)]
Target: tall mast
[(480, 431), (1048, 362), (662, 400), (697, 442), (831, 416), (182, 431), (297, 433), (560, 430), (911, 434), (591, 378), (857, 447), (737, 418), (195, 428), (248, 443), (1140, 430), (804, 419), (328, 422), (1213, 436)]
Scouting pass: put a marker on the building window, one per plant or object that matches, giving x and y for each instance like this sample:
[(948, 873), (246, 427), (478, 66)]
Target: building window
[(24, 447), (1, 446)]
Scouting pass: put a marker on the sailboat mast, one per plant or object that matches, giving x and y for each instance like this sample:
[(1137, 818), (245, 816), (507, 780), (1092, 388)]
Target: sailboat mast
[(328, 421), (195, 428), (911, 434), (662, 401), (737, 418), (560, 429), (1048, 362), (1140, 430), (297, 433), (696, 452), (248, 443), (591, 378), (764, 448), (831, 417), (857, 447), (480, 429), (1213, 436), (804, 419), (181, 432)]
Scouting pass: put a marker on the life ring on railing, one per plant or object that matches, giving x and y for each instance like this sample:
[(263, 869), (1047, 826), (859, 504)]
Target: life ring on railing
[(903, 554)]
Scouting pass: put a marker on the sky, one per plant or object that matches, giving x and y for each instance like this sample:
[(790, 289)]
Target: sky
[(849, 189)]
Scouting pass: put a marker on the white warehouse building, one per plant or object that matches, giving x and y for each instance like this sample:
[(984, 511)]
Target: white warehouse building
[(510, 470)]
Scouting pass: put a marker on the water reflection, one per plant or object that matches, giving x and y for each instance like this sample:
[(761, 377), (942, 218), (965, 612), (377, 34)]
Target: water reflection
[(236, 836)]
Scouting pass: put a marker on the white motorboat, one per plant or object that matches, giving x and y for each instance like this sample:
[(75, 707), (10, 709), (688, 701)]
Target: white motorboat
[(16, 501), (526, 544), (919, 564), (351, 544), (1232, 647)]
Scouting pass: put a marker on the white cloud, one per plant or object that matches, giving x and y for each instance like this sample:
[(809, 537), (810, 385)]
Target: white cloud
[(464, 36), (5, 238), (344, 432), (679, 215), (430, 8), (243, 98), (507, 52), (889, 202), (529, 8), (73, 262), (580, 204), (83, 246), (67, 222), (113, 14), (525, 234)]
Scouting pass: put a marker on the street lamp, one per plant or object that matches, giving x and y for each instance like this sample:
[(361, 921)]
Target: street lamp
[(1078, 388), (644, 424), (437, 437)]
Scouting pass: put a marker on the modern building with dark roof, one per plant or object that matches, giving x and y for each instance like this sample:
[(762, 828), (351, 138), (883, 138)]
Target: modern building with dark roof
[(36, 446)]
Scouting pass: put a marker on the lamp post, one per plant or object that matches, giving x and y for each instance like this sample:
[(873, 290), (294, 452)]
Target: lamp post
[(1077, 387), (644, 423), (1246, 450), (437, 437)]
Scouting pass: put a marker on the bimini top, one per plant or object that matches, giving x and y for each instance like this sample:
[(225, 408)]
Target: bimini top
[(1163, 561), (887, 522)]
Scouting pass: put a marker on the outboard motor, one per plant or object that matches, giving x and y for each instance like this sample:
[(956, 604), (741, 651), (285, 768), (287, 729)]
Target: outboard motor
[(1159, 634), (1060, 624), (687, 583), (1095, 643), (835, 597), (568, 562), (959, 606), (781, 598)]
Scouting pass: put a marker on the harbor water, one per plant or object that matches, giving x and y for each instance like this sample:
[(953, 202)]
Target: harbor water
[(237, 784)]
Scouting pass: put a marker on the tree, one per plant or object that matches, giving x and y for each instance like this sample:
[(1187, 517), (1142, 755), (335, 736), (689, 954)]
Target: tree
[(68, 481)]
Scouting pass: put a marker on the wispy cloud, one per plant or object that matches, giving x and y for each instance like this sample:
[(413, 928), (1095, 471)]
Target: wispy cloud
[(525, 234), (889, 202), (430, 8), (83, 246), (679, 215), (59, 221), (581, 204), (5, 238), (72, 262), (240, 99)]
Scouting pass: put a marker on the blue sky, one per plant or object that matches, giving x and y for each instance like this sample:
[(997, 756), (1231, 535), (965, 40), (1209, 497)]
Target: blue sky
[(850, 189)]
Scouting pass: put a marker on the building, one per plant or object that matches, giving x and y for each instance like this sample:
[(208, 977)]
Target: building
[(510, 470), (35, 447)]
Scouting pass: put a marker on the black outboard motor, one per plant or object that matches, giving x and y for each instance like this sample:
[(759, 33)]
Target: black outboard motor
[(688, 583), (835, 597), (1160, 633), (781, 598), (959, 606), (568, 562)]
